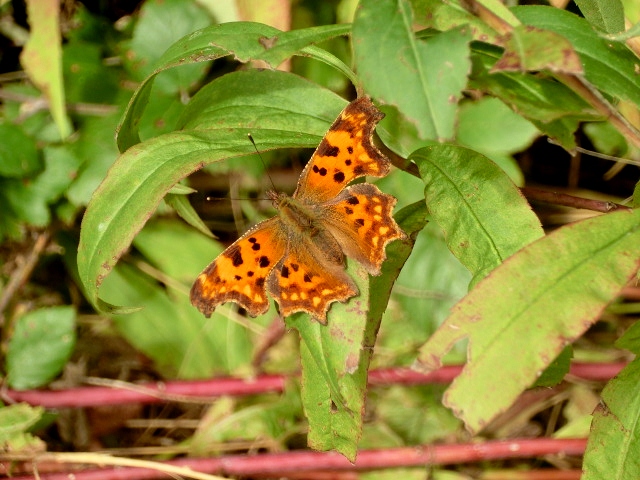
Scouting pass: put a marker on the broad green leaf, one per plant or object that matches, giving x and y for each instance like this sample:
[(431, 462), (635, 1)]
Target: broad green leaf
[(261, 100), (176, 249), (489, 127), (609, 66), (40, 346), (142, 176), (605, 15), (178, 338), (533, 49), (484, 216), (246, 41), (18, 152), (423, 79), (42, 58), (335, 357), (612, 451), (159, 25), (549, 294)]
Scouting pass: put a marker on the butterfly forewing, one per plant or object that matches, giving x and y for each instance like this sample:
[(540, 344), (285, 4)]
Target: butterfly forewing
[(347, 152)]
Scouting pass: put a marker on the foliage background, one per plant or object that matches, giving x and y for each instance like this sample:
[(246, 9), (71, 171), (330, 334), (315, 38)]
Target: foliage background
[(58, 121)]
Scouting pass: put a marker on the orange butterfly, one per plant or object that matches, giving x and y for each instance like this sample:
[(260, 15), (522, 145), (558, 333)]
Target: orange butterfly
[(298, 256)]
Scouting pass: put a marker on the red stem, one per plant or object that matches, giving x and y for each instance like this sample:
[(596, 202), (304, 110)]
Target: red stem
[(279, 464), (161, 392)]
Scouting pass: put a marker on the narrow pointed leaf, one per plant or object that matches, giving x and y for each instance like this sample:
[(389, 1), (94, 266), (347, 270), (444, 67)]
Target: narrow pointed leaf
[(335, 358), (614, 442), (520, 317)]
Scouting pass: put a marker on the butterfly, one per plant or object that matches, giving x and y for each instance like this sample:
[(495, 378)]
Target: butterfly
[(298, 256)]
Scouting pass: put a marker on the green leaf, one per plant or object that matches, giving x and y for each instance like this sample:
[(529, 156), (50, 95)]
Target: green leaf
[(574, 273), (609, 66), (18, 152), (30, 201), (42, 58), (427, 76), (605, 15), (159, 25), (532, 49), (557, 370), (606, 138), (442, 16), (630, 340), (180, 203), (17, 418), (244, 40), (96, 148), (488, 126), (335, 357), (40, 346), (551, 106), (270, 419), (614, 438), (178, 338), (141, 176), (484, 216)]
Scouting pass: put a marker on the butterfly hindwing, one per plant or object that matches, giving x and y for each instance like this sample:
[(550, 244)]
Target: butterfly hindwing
[(240, 273), (360, 219)]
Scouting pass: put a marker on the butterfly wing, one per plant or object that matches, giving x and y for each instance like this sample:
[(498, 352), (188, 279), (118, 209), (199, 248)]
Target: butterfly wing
[(308, 280), (240, 273), (360, 219), (346, 152)]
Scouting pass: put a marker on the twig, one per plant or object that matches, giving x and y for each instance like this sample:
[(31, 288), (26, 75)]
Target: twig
[(194, 391), (571, 201), (280, 464), (22, 272)]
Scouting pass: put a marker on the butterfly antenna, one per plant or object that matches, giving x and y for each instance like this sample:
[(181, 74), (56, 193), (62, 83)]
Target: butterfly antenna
[(266, 170)]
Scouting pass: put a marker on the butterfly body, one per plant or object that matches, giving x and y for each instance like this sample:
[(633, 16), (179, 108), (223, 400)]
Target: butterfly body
[(298, 256)]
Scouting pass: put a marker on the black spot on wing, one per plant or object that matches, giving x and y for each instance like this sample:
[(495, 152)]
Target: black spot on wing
[(322, 171), (327, 150), (235, 255)]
